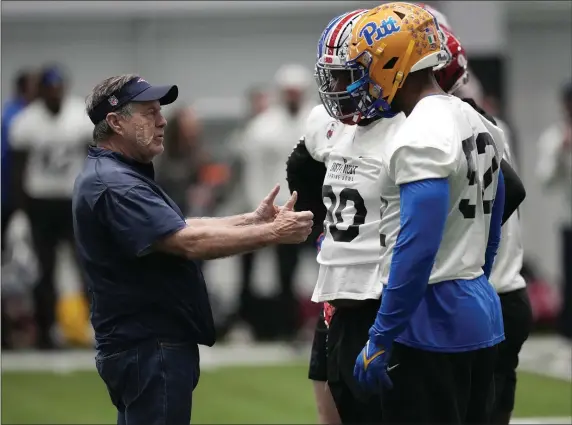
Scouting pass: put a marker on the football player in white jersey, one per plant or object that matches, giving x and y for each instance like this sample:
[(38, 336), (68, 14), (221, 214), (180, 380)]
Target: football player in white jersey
[(305, 175), (505, 276), (351, 250), (50, 139), (432, 346)]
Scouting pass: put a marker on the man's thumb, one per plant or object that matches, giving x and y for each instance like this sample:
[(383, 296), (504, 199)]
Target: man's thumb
[(291, 202)]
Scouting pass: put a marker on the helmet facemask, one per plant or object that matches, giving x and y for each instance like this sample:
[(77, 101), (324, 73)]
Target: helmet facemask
[(333, 79)]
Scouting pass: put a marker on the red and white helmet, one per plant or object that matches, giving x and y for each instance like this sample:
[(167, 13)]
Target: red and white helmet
[(331, 57), (454, 74)]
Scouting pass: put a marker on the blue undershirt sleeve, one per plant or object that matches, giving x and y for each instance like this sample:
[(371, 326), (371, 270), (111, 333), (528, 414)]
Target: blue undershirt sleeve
[(424, 208)]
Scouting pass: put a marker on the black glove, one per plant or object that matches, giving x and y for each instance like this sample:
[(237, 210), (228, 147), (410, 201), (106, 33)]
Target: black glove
[(305, 175)]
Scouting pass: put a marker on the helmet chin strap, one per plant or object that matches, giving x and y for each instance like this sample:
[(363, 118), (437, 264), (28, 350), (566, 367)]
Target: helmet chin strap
[(381, 106), (399, 77)]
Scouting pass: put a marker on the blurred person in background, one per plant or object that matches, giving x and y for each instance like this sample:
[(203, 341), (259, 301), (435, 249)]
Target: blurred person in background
[(185, 170), (267, 142), (25, 91), (257, 102), (555, 172), (49, 140), (178, 169)]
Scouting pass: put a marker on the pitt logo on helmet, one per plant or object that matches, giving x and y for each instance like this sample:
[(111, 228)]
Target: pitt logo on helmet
[(387, 43), (373, 32)]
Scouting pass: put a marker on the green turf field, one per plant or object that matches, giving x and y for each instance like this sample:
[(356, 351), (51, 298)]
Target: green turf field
[(226, 395)]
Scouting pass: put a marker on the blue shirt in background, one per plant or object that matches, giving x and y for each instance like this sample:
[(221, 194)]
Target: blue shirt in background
[(11, 109)]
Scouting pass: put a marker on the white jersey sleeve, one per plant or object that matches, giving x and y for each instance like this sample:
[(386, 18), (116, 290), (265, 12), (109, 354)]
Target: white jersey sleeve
[(420, 151), (318, 133)]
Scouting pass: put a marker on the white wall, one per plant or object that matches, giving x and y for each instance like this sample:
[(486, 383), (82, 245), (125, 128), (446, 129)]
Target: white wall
[(540, 62), (207, 56)]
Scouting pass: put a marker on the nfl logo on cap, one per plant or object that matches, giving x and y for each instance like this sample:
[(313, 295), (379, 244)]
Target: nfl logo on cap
[(113, 101)]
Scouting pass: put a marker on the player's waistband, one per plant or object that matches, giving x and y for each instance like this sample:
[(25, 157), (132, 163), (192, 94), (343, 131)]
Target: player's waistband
[(350, 304)]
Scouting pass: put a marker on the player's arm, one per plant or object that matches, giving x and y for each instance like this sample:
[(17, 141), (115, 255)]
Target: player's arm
[(495, 226), (424, 206), (306, 176), (514, 190), (420, 168)]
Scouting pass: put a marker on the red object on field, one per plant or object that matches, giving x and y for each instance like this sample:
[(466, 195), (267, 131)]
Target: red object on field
[(544, 301)]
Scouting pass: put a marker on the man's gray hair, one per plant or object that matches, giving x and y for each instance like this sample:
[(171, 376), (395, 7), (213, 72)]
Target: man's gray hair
[(103, 90)]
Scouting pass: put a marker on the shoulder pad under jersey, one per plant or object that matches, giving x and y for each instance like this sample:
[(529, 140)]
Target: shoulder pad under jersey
[(319, 128)]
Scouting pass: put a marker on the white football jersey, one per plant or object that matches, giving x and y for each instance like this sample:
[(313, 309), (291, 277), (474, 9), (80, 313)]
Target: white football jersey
[(57, 147), (505, 275), (445, 137), (350, 256)]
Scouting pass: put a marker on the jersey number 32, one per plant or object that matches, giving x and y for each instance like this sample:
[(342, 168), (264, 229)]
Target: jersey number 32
[(480, 145)]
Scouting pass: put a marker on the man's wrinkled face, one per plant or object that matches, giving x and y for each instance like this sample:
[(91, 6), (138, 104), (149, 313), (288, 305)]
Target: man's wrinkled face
[(144, 129)]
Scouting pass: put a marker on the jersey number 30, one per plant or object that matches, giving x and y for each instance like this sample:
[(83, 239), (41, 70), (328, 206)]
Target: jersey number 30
[(334, 218), (480, 144)]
